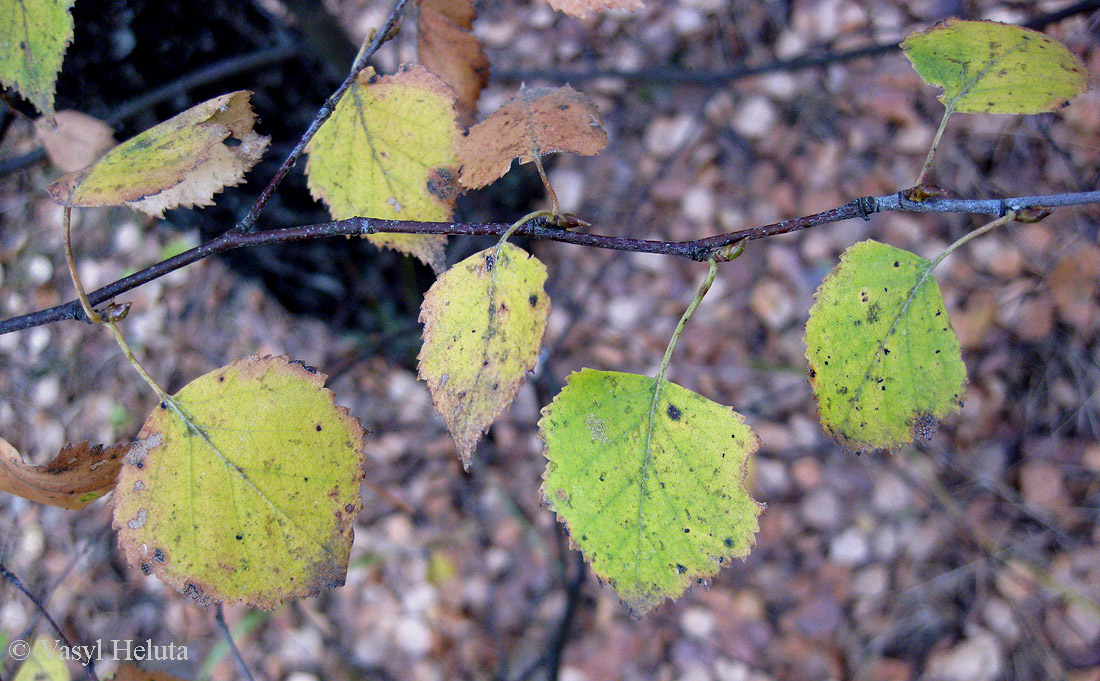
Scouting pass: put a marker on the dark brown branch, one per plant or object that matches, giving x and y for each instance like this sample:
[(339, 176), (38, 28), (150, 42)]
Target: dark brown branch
[(219, 619), (721, 78), (89, 666), (698, 249)]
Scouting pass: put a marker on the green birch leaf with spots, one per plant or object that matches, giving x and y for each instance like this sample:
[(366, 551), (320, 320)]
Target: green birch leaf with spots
[(34, 35), (245, 487), (483, 325), (989, 67), (388, 151), (649, 478), (885, 365)]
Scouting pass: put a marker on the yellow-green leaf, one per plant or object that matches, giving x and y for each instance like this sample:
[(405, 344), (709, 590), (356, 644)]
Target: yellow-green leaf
[(43, 661), (483, 324), (33, 37), (885, 364), (246, 488), (988, 67), (649, 477), (183, 161), (388, 152)]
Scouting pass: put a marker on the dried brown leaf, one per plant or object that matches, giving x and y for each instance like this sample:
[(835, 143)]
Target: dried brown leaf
[(536, 120), (76, 141), (79, 475), (448, 49)]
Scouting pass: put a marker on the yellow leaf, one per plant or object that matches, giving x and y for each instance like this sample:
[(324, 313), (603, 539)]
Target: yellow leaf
[(388, 152), (183, 161), (33, 38), (483, 324), (245, 488), (535, 121)]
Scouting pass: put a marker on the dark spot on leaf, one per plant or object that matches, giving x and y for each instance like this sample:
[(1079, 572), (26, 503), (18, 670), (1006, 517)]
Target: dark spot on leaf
[(687, 530), (221, 379), (350, 508), (680, 569), (924, 426), (305, 366), (674, 412), (231, 142), (139, 465), (534, 300), (163, 405), (158, 555), (895, 263), (240, 536), (489, 262), (442, 184), (729, 542), (319, 428), (563, 107)]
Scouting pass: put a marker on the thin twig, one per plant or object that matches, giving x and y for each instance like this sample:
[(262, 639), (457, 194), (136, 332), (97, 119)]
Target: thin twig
[(723, 77), (698, 249), (219, 619), (385, 33), (211, 74), (89, 666)]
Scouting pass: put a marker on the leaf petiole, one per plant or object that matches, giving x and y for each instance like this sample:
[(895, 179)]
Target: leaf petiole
[(95, 318)]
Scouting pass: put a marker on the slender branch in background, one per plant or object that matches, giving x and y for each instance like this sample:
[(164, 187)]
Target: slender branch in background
[(130, 108), (698, 249), (89, 666), (723, 77), (385, 33), (219, 618)]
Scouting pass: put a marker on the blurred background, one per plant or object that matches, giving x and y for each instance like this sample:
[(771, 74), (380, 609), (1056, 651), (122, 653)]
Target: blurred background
[(973, 556)]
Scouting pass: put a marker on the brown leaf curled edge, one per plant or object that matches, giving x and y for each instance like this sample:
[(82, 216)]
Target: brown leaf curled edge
[(447, 47), (79, 475), (537, 120)]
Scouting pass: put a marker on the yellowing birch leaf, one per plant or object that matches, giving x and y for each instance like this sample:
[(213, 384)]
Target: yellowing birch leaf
[(885, 364), (649, 477), (77, 476), (483, 324), (388, 152), (33, 37), (183, 161), (988, 67), (253, 497), (537, 120), (448, 48), (42, 663), (581, 8), (73, 140)]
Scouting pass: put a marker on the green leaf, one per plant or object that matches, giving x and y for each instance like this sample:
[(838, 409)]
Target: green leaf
[(652, 490), (33, 37), (885, 364), (44, 663), (183, 161), (988, 67), (388, 151), (245, 488), (483, 325)]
